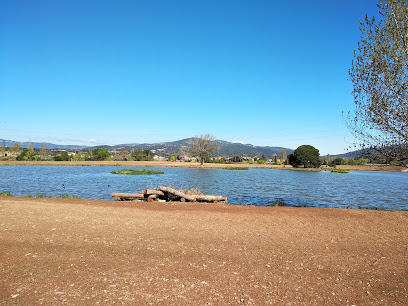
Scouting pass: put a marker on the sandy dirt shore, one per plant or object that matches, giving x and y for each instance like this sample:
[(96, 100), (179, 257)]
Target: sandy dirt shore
[(185, 165), (76, 252)]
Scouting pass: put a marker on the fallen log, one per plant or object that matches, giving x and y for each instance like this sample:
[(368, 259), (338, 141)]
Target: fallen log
[(209, 198), (153, 191), (151, 197), (176, 193), (127, 196)]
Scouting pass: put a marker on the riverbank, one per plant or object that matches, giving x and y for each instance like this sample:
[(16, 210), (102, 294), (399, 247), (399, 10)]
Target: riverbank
[(189, 165), (56, 251)]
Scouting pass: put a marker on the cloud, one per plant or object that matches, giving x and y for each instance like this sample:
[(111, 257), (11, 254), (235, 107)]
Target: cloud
[(239, 141)]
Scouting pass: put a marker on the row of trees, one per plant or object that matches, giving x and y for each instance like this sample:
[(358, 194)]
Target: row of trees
[(200, 147), (98, 154)]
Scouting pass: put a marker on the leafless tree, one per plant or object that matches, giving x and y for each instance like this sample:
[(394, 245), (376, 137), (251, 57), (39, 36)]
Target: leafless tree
[(202, 147)]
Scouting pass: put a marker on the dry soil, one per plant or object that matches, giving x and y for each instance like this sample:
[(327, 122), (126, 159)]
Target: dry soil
[(58, 251)]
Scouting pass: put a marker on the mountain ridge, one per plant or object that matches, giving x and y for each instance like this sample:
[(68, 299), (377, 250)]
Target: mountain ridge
[(165, 148), (175, 147)]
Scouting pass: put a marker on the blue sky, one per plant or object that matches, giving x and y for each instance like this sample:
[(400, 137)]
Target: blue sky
[(110, 72)]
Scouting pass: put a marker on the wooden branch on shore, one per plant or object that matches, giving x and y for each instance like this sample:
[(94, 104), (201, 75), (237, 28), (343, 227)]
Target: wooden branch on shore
[(209, 198), (127, 196), (167, 194), (177, 193), (152, 191)]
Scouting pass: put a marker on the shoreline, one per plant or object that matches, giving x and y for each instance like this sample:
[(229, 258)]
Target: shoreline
[(63, 251), (193, 165)]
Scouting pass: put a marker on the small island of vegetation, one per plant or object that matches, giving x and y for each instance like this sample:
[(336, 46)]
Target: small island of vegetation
[(339, 171), (236, 168), (136, 172)]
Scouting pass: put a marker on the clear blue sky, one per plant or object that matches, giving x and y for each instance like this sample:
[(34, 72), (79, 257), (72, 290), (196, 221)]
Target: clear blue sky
[(110, 72)]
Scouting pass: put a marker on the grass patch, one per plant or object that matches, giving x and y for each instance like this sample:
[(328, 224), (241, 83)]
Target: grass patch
[(339, 171), (136, 172), (277, 203), (41, 195), (37, 196), (236, 168), (6, 193), (67, 196)]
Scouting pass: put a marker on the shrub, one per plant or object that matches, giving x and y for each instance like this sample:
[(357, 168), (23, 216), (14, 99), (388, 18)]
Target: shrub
[(67, 196), (6, 193), (236, 168), (136, 172)]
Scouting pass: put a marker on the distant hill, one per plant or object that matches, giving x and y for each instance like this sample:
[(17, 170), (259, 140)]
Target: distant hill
[(226, 148), (37, 145), (351, 154), (174, 147)]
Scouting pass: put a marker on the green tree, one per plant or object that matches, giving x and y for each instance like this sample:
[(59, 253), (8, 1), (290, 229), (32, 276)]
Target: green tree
[(306, 156), (379, 74), (22, 155), (142, 155), (100, 154), (172, 158), (337, 161), (380, 159), (63, 156), (78, 157), (30, 154), (202, 147), (26, 155)]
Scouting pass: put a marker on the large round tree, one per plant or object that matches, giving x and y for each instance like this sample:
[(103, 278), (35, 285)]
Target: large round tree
[(306, 156)]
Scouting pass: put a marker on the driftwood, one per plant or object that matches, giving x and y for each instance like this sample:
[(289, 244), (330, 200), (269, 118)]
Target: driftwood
[(152, 191), (209, 198), (165, 194), (151, 197), (127, 196), (177, 193)]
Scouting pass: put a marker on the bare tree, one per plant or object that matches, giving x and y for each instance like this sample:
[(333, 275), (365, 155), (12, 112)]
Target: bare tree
[(43, 151), (30, 146), (16, 148), (202, 147), (379, 74), (3, 148), (283, 156)]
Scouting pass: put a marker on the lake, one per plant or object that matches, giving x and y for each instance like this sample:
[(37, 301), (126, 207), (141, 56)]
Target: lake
[(366, 189)]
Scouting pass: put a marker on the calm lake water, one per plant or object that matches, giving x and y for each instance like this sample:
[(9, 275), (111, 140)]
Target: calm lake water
[(368, 189)]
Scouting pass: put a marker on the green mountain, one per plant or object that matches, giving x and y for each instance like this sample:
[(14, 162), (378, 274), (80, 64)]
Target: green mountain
[(226, 148)]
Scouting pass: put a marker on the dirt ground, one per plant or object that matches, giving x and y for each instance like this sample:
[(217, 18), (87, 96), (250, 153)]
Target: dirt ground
[(58, 251), (185, 165)]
